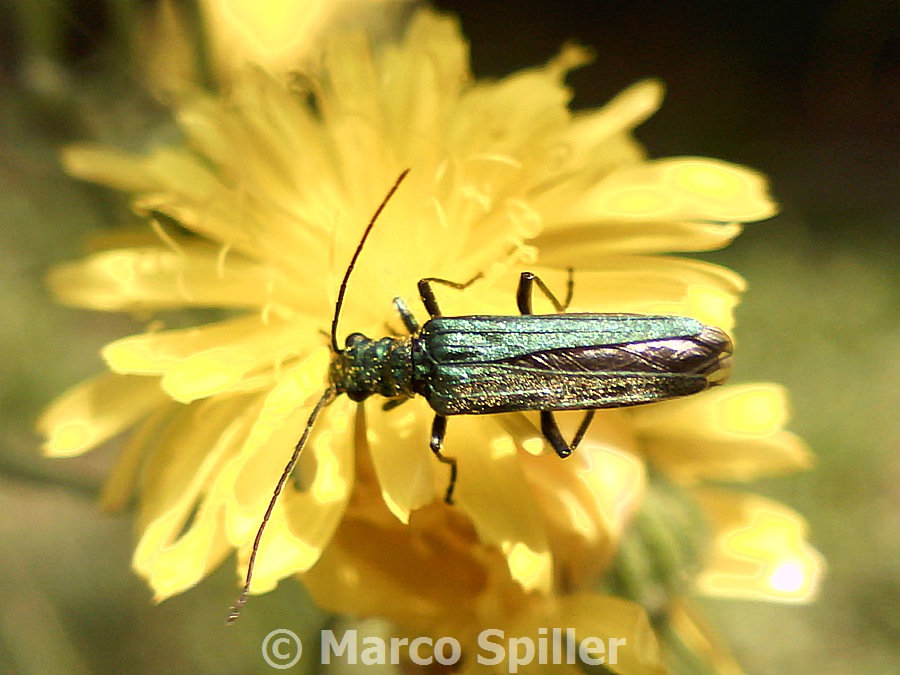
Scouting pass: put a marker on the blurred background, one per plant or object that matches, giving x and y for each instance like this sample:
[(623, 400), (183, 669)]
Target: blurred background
[(808, 93)]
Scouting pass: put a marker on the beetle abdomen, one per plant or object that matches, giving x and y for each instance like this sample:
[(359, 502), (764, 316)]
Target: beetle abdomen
[(483, 365)]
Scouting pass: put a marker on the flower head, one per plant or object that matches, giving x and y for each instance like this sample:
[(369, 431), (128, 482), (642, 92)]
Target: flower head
[(258, 212)]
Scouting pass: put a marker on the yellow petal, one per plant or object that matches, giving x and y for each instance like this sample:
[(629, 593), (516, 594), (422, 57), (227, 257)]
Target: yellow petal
[(562, 245), (436, 569), (181, 184), (213, 358), (279, 424), (277, 202), (498, 134), (588, 498), (398, 443), (642, 285), (729, 433), (303, 521), (314, 513), (430, 69), (173, 551), (627, 110), (210, 374), (189, 452), (491, 487), (123, 479), (165, 170), (690, 460), (501, 118), (274, 33), (355, 117), (613, 619), (281, 553), (95, 411), (674, 189), (593, 144), (171, 567), (158, 278), (759, 552), (732, 412)]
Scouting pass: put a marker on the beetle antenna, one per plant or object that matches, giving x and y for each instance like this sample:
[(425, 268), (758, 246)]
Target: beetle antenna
[(343, 289), (235, 612)]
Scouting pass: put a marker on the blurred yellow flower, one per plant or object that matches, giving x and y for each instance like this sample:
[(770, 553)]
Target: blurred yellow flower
[(258, 212), (276, 33)]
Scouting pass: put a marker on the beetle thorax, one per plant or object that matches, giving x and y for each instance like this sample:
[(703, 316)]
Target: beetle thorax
[(367, 367)]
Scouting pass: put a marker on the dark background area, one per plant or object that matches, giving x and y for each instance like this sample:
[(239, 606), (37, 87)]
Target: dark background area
[(806, 92)]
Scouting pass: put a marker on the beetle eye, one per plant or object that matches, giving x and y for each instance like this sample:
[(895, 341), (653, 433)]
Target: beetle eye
[(354, 339)]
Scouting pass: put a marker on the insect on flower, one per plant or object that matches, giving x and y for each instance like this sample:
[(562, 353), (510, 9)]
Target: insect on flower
[(471, 365)]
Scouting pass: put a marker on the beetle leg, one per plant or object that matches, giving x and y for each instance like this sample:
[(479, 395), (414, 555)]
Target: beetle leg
[(549, 427), (393, 332), (551, 432), (582, 428), (438, 430), (525, 292), (392, 403), (427, 293), (408, 319)]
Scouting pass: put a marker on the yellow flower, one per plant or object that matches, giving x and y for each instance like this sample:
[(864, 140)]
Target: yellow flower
[(257, 214), (273, 33), (736, 433)]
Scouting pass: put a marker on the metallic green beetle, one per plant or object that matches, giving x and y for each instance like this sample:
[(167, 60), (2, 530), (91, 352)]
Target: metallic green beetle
[(471, 365)]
